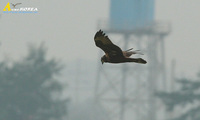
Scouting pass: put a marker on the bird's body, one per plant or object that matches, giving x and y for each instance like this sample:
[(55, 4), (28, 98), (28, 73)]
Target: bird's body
[(121, 59), (114, 54)]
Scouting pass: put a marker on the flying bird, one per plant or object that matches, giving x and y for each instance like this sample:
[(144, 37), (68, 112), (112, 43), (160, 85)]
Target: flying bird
[(15, 4), (113, 53)]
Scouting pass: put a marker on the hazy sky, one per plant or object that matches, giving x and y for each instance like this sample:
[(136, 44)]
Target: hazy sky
[(68, 26)]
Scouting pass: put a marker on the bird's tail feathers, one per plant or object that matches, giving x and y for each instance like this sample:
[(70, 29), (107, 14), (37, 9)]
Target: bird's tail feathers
[(137, 60)]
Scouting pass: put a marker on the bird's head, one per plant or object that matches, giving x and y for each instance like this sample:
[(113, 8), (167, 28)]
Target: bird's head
[(103, 59)]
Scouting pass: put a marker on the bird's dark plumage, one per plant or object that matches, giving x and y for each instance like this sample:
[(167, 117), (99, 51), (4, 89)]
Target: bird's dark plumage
[(113, 53)]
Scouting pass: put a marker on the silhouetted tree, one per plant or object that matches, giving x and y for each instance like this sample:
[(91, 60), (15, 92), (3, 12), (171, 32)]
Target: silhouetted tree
[(188, 94), (28, 89)]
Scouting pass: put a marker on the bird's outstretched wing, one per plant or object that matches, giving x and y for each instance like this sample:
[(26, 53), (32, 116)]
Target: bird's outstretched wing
[(106, 45), (18, 4)]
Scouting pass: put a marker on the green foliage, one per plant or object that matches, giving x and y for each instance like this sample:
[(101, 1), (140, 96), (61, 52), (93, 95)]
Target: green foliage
[(188, 94), (27, 88)]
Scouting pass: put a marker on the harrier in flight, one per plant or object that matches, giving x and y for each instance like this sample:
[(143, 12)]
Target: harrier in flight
[(15, 4), (114, 54)]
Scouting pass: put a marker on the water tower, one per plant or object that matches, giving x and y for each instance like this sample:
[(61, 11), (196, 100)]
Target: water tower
[(126, 91), (129, 14)]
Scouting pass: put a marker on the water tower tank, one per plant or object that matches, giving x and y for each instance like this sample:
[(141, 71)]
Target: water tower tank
[(130, 14)]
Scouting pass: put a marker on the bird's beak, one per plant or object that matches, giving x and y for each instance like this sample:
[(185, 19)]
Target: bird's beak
[(102, 62)]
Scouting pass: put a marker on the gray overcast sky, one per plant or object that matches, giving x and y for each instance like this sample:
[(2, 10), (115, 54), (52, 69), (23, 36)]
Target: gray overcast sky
[(68, 27)]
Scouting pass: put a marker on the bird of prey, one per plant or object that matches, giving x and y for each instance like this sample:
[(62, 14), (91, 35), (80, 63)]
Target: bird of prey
[(15, 4), (113, 53)]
